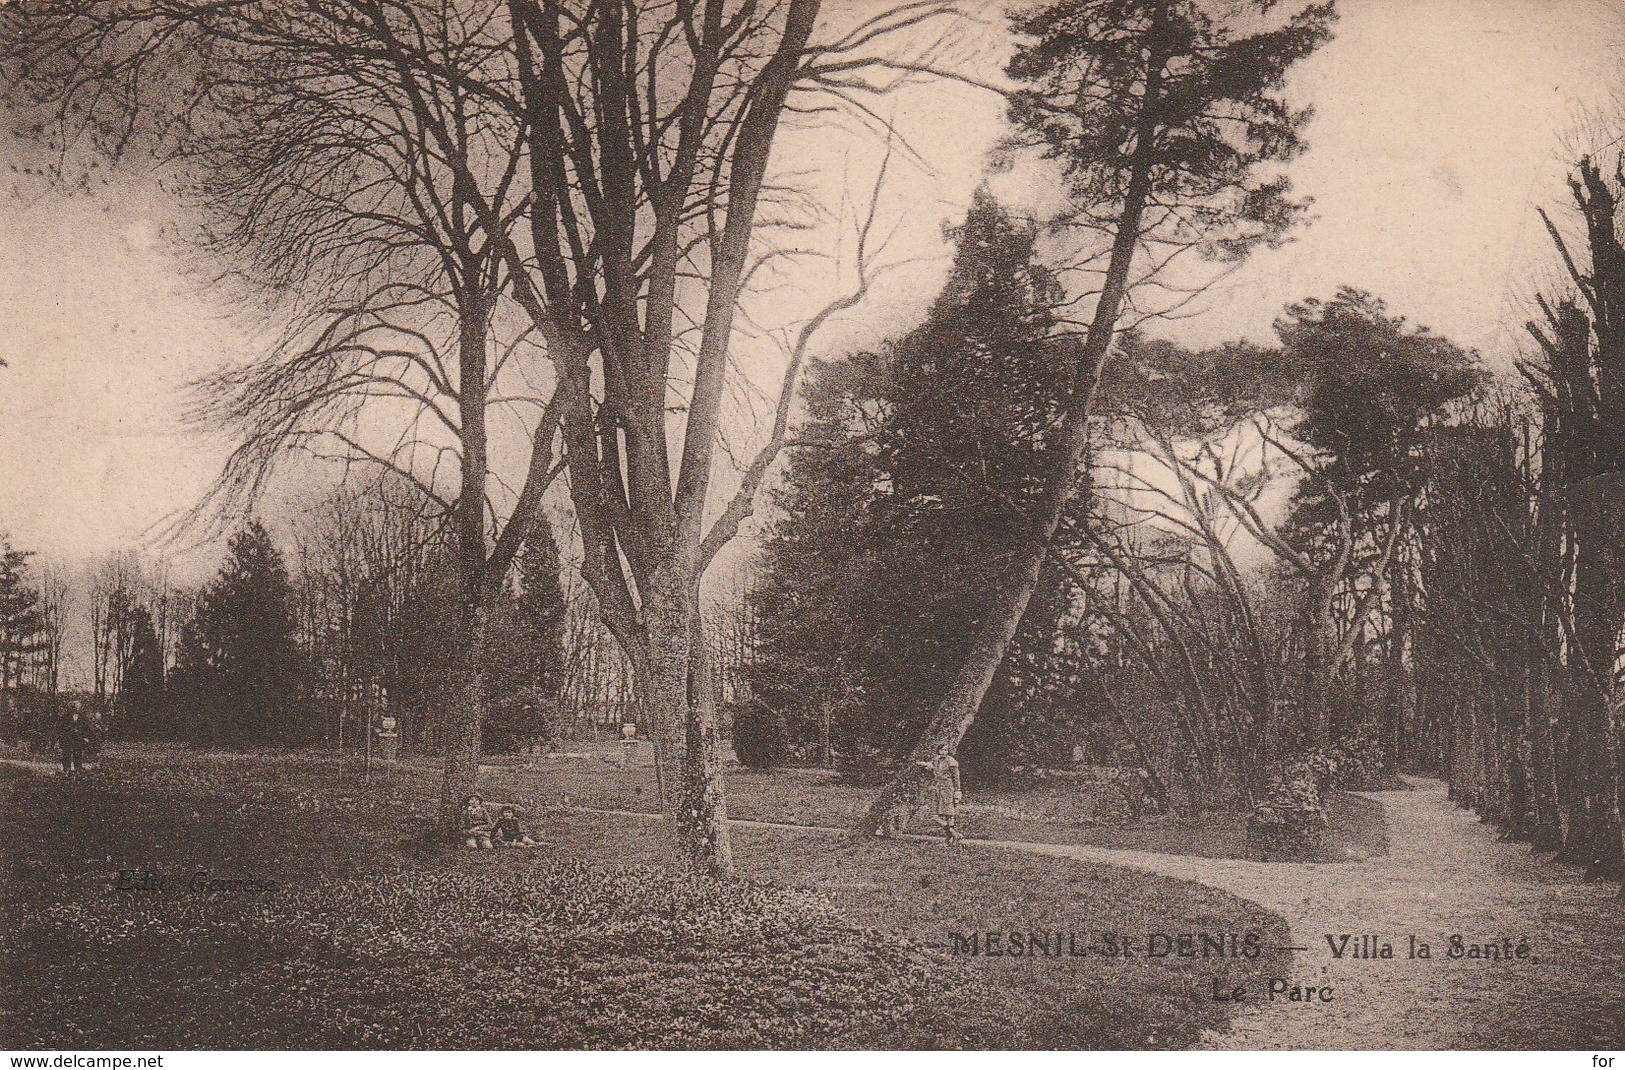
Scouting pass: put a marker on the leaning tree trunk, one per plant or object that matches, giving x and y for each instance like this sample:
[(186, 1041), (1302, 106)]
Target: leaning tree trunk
[(1015, 589)]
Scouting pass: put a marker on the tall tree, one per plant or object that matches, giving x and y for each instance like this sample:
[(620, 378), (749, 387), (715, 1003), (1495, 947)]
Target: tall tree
[(527, 649), (911, 499), (1581, 379), (22, 618), (241, 660), (664, 182), (343, 193), (141, 700), (541, 605), (620, 161), (1483, 653), (816, 640), (1373, 385), (1163, 121)]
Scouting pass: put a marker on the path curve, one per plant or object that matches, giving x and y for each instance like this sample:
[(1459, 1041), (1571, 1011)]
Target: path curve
[(1445, 873)]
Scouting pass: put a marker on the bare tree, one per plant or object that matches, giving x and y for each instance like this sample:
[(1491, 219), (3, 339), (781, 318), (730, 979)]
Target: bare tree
[(373, 207), (120, 584), (603, 167), (1581, 382), (55, 593), (1215, 488)]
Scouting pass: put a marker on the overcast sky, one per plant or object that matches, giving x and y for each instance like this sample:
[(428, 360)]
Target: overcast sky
[(1439, 129)]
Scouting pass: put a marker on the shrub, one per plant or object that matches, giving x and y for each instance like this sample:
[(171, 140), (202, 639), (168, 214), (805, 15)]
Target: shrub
[(1290, 823), (761, 738), (28, 718), (1354, 763), (1359, 761)]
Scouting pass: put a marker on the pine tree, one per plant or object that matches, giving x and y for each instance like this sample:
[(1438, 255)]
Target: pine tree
[(1372, 384), (1168, 126)]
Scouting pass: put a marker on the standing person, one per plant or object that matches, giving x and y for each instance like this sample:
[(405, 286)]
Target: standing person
[(73, 734), (945, 794)]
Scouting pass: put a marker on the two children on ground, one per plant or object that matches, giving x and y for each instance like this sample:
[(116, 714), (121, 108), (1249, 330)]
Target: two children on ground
[(479, 829)]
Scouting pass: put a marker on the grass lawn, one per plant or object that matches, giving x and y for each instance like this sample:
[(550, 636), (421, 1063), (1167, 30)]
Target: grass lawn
[(349, 927), (1056, 813)]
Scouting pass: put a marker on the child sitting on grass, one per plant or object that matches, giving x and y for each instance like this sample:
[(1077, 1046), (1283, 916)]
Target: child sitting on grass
[(510, 833), (477, 824)]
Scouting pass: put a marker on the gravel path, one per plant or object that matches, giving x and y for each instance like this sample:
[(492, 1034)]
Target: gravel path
[(1445, 873)]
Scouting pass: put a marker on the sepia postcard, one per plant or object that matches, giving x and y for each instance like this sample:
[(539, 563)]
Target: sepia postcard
[(811, 525)]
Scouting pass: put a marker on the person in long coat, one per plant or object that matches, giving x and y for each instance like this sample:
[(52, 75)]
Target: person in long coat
[(73, 735), (945, 793)]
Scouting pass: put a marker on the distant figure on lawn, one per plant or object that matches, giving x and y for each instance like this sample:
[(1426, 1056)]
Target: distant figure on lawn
[(945, 794), (510, 833), (73, 733), (477, 826)]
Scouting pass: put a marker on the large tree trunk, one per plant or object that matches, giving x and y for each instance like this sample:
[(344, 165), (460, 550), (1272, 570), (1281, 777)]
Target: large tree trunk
[(461, 730), (958, 709), (678, 699), (1596, 626), (1546, 833), (704, 798), (462, 723), (1009, 603)]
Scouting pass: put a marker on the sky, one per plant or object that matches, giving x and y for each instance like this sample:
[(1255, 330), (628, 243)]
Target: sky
[(1440, 126)]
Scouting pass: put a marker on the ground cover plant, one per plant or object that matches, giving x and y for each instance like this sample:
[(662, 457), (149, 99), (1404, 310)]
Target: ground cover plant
[(378, 935)]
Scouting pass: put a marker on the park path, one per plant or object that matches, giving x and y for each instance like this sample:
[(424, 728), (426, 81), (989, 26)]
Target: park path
[(31, 765), (1445, 873)]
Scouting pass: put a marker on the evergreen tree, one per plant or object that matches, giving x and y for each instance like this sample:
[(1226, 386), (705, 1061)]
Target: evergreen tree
[(190, 706), (141, 699), (525, 650), (541, 603), (22, 617), (906, 507), (240, 657), (810, 668), (423, 635), (1372, 383), (522, 660)]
